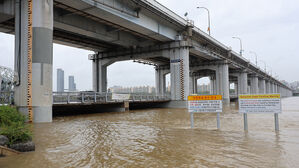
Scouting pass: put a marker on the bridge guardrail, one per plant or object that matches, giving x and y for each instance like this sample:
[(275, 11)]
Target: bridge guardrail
[(95, 97)]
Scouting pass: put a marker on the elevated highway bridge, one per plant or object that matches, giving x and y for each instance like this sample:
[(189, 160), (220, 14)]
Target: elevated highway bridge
[(117, 30)]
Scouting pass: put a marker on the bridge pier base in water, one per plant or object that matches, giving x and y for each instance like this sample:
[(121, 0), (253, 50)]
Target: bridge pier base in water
[(42, 58)]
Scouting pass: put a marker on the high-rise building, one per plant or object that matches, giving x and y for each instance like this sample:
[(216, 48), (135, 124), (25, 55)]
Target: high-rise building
[(60, 80), (72, 84)]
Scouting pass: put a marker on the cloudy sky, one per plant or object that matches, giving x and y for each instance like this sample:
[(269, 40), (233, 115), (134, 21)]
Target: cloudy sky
[(267, 27)]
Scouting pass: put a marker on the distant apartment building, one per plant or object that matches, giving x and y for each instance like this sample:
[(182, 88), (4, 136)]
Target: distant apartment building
[(203, 88), (136, 89), (72, 84), (60, 80)]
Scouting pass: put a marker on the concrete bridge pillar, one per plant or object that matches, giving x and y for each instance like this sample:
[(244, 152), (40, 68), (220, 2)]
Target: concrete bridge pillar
[(215, 85), (193, 84), (262, 86), (274, 88), (222, 82), (161, 81), (236, 88), (271, 87), (254, 87), (99, 72), (42, 58), (99, 76), (242, 83), (268, 87), (212, 85), (179, 73), (195, 89)]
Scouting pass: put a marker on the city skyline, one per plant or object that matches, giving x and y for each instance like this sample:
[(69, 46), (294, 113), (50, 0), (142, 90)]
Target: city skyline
[(60, 87)]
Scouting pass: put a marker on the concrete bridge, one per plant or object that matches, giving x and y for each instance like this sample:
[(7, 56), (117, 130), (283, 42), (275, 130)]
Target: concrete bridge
[(141, 30)]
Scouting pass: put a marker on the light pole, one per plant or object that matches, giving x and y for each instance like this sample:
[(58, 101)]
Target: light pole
[(265, 65), (209, 28), (241, 48), (255, 56)]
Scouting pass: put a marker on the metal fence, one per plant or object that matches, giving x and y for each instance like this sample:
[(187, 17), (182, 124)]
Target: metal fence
[(86, 97), (94, 97), (6, 98)]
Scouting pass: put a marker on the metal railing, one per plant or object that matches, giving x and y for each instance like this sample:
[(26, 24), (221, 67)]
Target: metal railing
[(95, 97), (6, 97)]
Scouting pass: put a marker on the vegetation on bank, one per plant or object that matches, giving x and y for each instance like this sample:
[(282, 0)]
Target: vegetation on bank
[(13, 125)]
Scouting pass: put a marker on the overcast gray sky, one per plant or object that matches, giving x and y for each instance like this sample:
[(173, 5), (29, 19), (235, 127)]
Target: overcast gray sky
[(267, 27)]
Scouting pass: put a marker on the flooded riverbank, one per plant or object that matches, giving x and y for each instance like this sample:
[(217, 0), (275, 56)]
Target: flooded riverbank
[(163, 138)]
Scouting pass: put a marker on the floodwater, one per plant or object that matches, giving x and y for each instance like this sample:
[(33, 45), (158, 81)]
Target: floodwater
[(163, 138)]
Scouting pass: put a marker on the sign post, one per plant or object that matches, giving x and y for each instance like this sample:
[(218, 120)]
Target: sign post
[(192, 120), (276, 122), (266, 103), (205, 104)]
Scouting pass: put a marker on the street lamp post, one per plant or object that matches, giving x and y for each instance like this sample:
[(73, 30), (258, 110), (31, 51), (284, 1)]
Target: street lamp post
[(209, 28), (241, 48), (255, 56), (264, 64)]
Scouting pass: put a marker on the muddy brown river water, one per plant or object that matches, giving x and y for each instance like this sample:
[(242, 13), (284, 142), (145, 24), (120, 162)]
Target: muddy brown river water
[(163, 138)]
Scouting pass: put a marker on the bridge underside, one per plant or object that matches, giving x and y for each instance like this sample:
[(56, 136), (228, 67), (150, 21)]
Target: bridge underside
[(83, 108)]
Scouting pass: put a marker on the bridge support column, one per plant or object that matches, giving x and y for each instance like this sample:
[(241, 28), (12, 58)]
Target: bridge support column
[(193, 84), (99, 72), (236, 88), (262, 86), (179, 73), (212, 85), (268, 87), (161, 81), (273, 88), (242, 83), (42, 58), (254, 88), (222, 80)]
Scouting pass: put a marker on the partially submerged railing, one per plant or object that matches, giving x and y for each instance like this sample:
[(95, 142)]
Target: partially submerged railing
[(95, 97), (7, 98)]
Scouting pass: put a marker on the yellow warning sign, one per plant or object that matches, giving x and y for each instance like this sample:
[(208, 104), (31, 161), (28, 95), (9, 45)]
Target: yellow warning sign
[(266, 96), (204, 97)]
